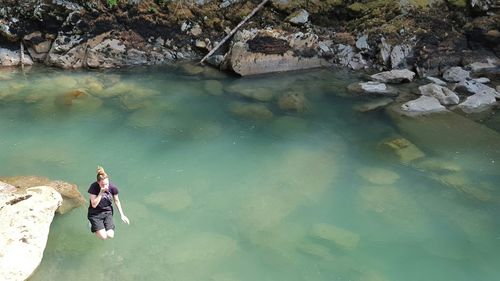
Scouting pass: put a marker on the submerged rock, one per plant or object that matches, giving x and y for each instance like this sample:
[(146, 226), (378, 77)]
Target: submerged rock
[(372, 87), (478, 102), (378, 175), (214, 87), (172, 200), (373, 105), (293, 101), (24, 227), (251, 111), (343, 238), (406, 150)]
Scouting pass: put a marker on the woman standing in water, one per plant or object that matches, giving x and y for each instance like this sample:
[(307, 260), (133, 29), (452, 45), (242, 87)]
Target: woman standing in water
[(100, 213)]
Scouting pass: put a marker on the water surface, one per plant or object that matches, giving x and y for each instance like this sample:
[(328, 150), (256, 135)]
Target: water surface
[(217, 190)]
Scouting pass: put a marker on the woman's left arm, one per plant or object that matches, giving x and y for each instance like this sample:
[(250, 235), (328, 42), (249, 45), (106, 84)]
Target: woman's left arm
[(119, 205)]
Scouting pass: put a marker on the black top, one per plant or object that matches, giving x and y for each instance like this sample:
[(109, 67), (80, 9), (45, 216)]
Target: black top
[(106, 203)]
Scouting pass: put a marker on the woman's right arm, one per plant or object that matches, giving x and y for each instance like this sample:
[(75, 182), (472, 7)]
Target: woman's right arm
[(95, 199)]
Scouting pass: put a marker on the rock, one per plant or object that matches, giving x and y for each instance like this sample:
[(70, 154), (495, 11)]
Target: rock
[(443, 94), (269, 51), (478, 102), (362, 43), (196, 30), (214, 87), (489, 64), (474, 87), (437, 165), (343, 238), (378, 175), (72, 198), (406, 150), (255, 93), (200, 44), (482, 80), (436, 81), (38, 45), (394, 76), (172, 201), (442, 133), (345, 56), (385, 51), (462, 183), (299, 17), (399, 55), (373, 105), (13, 58), (24, 228), (456, 74), (285, 126), (372, 88), (293, 101), (66, 52), (251, 111), (422, 105)]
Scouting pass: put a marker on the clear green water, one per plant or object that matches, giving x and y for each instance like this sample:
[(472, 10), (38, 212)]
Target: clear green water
[(214, 196)]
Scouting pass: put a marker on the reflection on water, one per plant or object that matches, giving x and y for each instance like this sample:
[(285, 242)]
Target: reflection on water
[(267, 178)]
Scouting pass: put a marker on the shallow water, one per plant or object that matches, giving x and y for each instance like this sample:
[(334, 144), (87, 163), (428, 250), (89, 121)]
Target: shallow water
[(212, 195)]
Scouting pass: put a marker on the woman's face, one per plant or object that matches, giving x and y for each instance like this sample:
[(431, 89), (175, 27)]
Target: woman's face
[(104, 183)]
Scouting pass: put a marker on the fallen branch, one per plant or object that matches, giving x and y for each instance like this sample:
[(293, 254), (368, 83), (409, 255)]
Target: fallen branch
[(22, 55), (234, 30)]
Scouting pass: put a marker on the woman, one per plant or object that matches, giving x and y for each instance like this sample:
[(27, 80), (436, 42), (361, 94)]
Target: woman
[(100, 213)]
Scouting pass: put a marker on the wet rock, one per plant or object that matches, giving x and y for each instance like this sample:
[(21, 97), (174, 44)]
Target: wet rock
[(490, 64), (192, 69), (436, 81), (343, 238), (462, 183), (378, 175), (478, 102), (13, 58), (405, 149), (293, 101), (482, 80), (251, 111), (214, 87), (255, 93), (299, 17), (372, 88), (172, 201), (394, 76), (438, 165), (373, 105), (286, 126), (144, 118), (24, 228), (456, 74), (443, 94), (422, 105)]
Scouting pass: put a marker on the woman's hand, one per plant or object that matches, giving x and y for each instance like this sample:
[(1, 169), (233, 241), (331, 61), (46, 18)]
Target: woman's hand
[(125, 219)]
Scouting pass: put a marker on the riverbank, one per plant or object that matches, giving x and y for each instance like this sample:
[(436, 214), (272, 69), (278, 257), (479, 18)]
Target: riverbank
[(284, 35)]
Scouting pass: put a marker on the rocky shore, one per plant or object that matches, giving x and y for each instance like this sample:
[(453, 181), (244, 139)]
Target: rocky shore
[(427, 37)]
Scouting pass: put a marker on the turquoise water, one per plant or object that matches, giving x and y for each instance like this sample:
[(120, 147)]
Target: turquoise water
[(214, 192)]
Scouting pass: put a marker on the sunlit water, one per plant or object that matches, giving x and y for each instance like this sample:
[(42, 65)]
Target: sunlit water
[(212, 195)]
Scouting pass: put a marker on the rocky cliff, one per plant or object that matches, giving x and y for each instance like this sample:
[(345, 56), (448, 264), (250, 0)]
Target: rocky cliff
[(427, 36)]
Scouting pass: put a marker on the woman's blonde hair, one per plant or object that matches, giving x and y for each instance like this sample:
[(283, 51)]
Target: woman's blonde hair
[(101, 174)]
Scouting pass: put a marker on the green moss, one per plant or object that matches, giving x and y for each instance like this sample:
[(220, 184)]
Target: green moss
[(357, 7), (458, 3), (420, 3)]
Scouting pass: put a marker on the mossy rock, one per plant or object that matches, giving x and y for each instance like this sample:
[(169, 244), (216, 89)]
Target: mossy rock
[(458, 3)]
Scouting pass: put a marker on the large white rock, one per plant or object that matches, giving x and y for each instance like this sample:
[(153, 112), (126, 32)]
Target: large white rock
[(13, 58), (422, 105), (456, 74), (478, 102), (474, 87), (443, 94), (394, 76), (24, 227)]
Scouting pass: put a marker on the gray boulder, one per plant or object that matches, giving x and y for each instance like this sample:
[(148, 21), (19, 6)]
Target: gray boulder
[(299, 17), (456, 74), (478, 102), (372, 87), (394, 76), (422, 105), (474, 87), (443, 94), (13, 58), (399, 55), (436, 81)]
